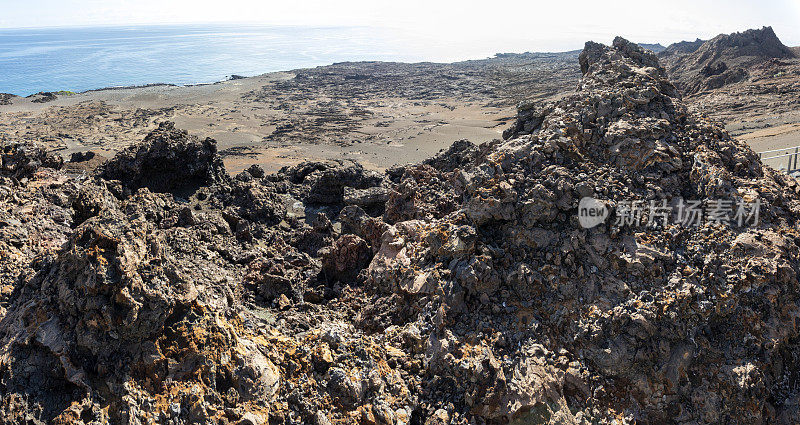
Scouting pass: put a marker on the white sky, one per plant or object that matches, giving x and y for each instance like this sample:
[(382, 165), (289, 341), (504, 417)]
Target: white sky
[(502, 25)]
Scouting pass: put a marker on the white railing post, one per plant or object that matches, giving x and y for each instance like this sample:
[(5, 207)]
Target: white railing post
[(775, 156)]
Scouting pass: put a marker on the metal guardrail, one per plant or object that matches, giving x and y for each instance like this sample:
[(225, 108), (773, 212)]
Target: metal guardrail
[(786, 159)]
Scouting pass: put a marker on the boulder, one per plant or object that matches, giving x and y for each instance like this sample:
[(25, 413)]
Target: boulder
[(167, 161)]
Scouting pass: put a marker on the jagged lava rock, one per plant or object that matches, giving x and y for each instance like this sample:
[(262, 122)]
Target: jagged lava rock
[(637, 323), (168, 160), (461, 290), (6, 98), (21, 160), (723, 60)]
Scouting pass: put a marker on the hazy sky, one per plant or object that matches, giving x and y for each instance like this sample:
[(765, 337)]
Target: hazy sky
[(501, 25)]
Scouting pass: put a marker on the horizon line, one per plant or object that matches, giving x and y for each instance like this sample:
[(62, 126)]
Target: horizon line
[(262, 24)]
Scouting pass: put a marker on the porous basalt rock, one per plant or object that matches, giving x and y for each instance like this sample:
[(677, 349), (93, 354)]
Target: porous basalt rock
[(21, 160), (723, 60), (345, 258), (471, 294), (610, 306), (6, 98), (123, 317), (168, 160), (326, 181)]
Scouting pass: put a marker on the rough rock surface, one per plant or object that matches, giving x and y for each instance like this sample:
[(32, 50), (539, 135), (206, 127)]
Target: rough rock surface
[(468, 294), (681, 47), (5, 98), (43, 97), (21, 160), (648, 325), (168, 160), (723, 60), (327, 182)]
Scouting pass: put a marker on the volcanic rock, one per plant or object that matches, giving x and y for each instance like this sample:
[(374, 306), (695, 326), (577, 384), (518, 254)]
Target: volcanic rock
[(43, 97), (346, 258), (681, 48), (130, 308), (82, 156), (167, 161), (366, 198), (21, 160), (164, 292), (624, 135), (5, 98), (723, 60), (327, 182)]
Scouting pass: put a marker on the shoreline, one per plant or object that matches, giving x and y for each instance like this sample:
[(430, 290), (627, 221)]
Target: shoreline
[(113, 88), (233, 77), (376, 112)]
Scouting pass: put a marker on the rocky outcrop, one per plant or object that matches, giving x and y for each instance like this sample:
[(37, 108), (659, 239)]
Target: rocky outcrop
[(22, 160), (653, 47), (753, 43), (82, 156), (723, 60), (168, 160), (681, 48), (43, 97), (132, 319), (35, 221), (6, 98), (106, 326), (462, 290), (327, 182), (606, 304)]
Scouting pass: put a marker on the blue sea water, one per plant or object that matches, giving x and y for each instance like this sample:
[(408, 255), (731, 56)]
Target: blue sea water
[(79, 59)]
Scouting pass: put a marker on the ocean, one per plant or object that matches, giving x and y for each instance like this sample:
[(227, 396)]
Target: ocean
[(80, 59)]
